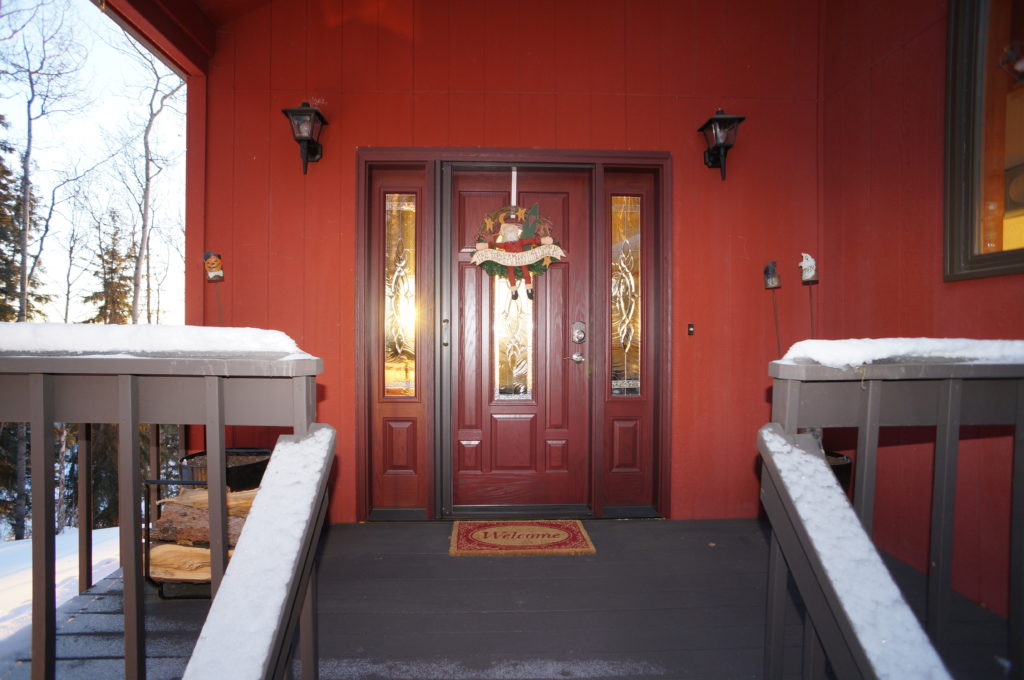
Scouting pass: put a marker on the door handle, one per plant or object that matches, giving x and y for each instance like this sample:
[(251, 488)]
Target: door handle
[(445, 332), (577, 357)]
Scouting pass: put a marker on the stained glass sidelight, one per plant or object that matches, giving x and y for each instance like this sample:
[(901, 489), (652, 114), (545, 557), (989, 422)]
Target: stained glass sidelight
[(513, 344), (400, 295), (625, 299)]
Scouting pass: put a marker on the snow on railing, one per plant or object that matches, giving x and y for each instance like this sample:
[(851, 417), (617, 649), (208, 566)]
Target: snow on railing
[(140, 340), (859, 352), (864, 623), (247, 629)]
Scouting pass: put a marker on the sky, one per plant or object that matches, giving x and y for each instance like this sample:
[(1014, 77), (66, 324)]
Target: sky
[(81, 138)]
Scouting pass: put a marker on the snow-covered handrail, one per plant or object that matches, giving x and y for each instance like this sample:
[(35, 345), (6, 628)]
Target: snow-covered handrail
[(862, 620), (248, 628)]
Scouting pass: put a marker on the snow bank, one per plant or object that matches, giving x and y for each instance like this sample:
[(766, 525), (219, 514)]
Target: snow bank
[(16, 580), (894, 641), (240, 627), (850, 353), (81, 339)]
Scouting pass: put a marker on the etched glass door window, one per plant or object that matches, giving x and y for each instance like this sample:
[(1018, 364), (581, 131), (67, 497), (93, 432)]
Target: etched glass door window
[(513, 344), (400, 295), (625, 295)]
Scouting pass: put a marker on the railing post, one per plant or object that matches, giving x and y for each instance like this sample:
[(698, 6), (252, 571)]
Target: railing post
[(304, 404), (129, 483), (216, 476), (775, 610), (85, 516), (866, 464), (44, 615), (940, 560), (154, 469)]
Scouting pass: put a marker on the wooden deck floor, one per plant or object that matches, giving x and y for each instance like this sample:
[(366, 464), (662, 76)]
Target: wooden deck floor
[(660, 599)]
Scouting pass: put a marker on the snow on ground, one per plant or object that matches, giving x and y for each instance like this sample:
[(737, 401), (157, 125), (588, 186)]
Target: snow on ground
[(16, 579), (140, 339), (896, 645), (239, 629), (850, 353)]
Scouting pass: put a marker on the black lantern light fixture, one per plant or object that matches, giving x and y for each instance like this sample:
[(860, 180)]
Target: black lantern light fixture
[(720, 134), (307, 122)]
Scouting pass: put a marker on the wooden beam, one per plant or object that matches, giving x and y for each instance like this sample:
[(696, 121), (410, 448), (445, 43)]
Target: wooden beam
[(180, 32)]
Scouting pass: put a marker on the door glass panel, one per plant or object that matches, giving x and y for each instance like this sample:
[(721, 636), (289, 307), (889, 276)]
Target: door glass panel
[(400, 295), (625, 302), (513, 343)]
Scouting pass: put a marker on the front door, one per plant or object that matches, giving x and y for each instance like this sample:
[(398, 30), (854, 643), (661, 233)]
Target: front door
[(483, 403), (521, 361)]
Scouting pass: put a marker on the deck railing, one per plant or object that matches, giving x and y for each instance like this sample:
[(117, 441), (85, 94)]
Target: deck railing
[(907, 392), (214, 390), (247, 637), (855, 609)]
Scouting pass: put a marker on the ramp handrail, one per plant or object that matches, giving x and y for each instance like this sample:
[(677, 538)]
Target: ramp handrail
[(861, 619), (272, 574)]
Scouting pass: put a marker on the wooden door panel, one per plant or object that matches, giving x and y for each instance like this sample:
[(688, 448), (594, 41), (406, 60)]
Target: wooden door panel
[(513, 439), (530, 448)]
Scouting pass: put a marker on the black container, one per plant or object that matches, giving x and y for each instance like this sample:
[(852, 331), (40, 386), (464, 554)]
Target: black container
[(841, 466), (245, 467)]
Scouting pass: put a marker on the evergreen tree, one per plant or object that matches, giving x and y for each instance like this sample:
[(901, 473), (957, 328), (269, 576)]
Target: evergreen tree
[(10, 240), (113, 271)]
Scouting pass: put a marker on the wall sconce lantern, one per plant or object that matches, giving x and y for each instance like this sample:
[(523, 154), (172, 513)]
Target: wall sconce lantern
[(720, 134), (307, 122)]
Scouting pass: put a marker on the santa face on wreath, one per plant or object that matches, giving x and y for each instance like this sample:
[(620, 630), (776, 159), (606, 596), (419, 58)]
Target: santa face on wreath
[(509, 240), (515, 243)]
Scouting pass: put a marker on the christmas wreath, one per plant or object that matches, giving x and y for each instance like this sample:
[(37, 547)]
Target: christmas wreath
[(516, 243)]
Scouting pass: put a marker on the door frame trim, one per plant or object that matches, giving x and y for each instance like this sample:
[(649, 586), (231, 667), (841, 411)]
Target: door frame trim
[(432, 160)]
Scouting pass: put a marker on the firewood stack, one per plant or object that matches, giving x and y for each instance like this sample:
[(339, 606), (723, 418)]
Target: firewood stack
[(183, 555)]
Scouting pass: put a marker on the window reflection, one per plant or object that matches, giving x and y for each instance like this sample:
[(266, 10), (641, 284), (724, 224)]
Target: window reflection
[(1002, 168)]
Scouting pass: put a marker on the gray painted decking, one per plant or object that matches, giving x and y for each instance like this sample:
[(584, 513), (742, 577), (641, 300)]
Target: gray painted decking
[(660, 599)]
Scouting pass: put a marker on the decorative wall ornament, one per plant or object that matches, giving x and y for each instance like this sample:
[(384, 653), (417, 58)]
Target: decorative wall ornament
[(808, 269), (213, 266), (516, 243)]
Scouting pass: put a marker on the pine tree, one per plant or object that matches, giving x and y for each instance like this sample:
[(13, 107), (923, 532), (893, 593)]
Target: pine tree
[(113, 272), (10, 240)]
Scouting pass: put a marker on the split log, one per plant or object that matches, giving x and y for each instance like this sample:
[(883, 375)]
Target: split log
[(239, 502), (179, 563), (185, 518), (187, 525)]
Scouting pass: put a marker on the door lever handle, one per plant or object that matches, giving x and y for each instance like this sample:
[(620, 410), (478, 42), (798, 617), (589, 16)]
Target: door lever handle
[(577, 357)]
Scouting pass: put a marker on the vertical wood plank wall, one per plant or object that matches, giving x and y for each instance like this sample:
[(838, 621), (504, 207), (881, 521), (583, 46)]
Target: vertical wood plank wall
[(817, 168)]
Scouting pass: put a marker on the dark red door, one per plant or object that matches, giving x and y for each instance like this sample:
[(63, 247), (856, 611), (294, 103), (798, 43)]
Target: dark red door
[(520, 399)]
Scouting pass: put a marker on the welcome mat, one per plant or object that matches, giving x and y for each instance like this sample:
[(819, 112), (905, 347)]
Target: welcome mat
[(540, 537)]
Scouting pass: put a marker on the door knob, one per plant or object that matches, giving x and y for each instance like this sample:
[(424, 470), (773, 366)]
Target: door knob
[(577, 357)]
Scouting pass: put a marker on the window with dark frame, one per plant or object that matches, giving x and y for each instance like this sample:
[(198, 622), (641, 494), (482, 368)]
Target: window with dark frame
[(984, 139)]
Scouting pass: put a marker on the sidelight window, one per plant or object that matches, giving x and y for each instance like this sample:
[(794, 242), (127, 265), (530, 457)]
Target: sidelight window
[(400, 295), (625, 295)]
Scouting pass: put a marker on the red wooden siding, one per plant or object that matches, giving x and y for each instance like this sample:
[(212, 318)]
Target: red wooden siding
[(882, 130), (817, 168), (576, 74)]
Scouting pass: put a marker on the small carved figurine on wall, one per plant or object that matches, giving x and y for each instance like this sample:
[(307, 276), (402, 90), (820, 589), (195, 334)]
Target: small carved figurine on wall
[(772, 279), (808, 269), (213, 265)]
